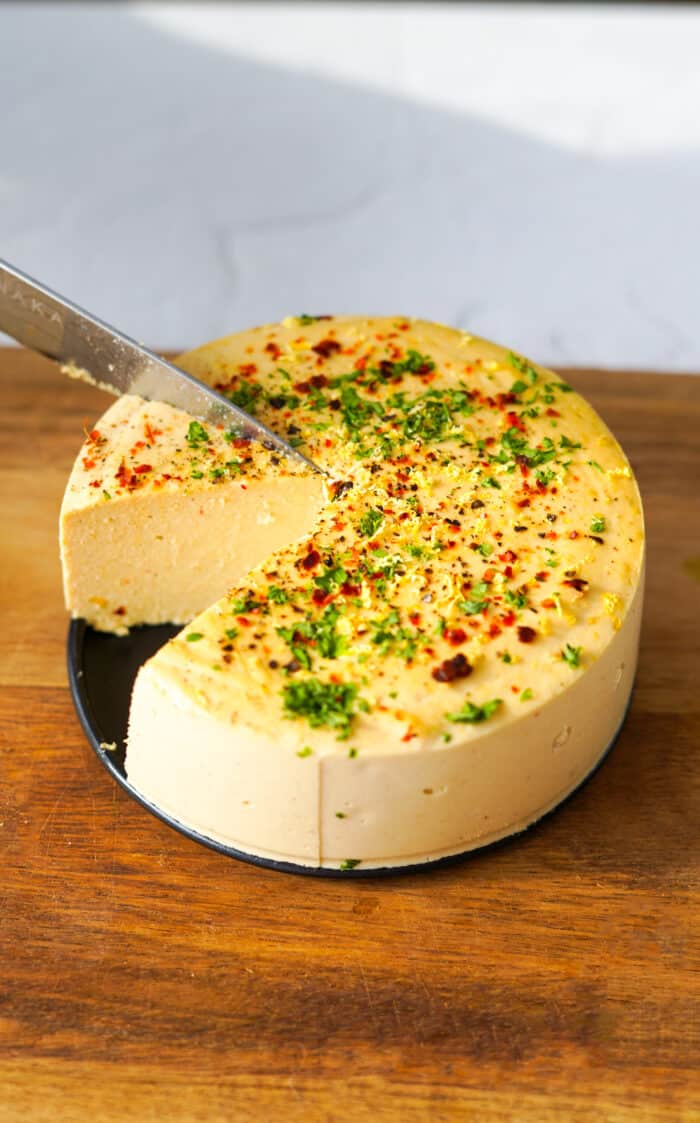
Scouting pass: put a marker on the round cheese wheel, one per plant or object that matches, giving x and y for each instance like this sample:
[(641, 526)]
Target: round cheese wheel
[(418, 655)]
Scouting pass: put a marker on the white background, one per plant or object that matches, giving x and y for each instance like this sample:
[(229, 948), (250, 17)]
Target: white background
[(528, 172)]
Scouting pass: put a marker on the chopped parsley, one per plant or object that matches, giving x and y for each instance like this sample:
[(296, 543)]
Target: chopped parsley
[(277, 595), (472, 714), (572, 655), (523, 367), (197, 435), (320, 634), (392, 638), (598, 524), (332, 578), (323, 704), (241, 605), (370, 522), (306, 751), (526, 695), (517, 600), (192, 637), (246, 396), (350, 863), (477, 602)]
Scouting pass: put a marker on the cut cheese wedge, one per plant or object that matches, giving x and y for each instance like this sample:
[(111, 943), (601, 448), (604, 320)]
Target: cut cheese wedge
[(422, 659), (160, 516)]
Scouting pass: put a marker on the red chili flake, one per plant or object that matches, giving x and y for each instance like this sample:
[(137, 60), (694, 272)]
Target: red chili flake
[(302, 387), (552, 412), (141, 468), (248, 368), (494, 630), (151, 433), (273, 349), (121, 611), (508, 571), (508, 556), (455, 636), (573, 534), (508, 619), (578, 583), (515, 422), (95, 483), (350, 590), (414, 618), (240, 442), (328, 443), (319, 597), (326, 348), (456, 667), (549, 603), (553, 535), (543, 575), (88, 464), (525, 634), (312, 559), (523, 503), (409, 735)]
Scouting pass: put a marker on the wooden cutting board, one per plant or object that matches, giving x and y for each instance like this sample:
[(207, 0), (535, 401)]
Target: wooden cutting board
[(143, 977)]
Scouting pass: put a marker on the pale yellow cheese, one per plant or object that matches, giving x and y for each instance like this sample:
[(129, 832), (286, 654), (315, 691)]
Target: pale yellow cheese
[(463, 574)]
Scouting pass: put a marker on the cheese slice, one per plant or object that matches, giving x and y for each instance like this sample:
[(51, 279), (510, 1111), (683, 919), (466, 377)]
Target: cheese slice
[(422, 660), (161, 516)]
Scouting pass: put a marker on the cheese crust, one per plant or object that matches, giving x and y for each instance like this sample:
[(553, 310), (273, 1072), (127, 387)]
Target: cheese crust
[(434, 652)]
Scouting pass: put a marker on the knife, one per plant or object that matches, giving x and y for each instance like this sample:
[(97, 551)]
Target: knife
[(39, 318)]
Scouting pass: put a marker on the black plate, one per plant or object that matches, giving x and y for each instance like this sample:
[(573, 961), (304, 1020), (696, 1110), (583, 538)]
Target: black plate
[(101, 671)]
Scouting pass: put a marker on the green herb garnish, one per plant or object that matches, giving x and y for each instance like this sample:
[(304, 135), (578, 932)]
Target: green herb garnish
[(572, 655), (370, 522), (196, 434), (477, 601), (323, 703), (472, 714)]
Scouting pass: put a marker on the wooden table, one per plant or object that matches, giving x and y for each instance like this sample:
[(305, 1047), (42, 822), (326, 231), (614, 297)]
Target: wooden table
[(143, 977)]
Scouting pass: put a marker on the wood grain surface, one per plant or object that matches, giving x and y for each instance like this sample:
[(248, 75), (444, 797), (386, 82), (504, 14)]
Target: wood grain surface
[(143, 977)]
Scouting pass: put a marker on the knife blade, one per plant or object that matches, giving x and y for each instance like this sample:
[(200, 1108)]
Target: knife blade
[(89, 348)]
